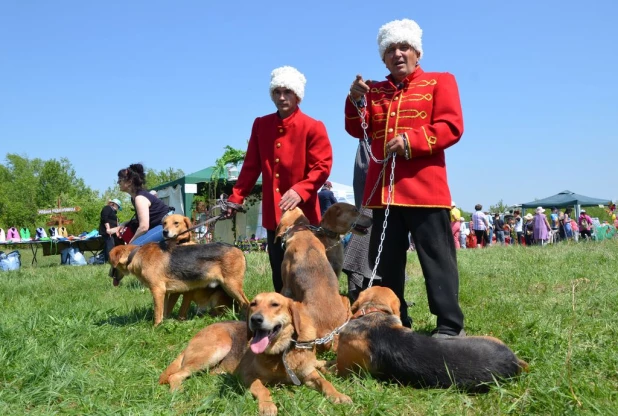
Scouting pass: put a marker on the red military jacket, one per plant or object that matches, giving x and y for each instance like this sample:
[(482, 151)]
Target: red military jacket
[(427, 108), (294, 152)]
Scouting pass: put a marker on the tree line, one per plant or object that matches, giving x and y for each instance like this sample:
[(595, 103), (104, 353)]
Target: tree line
[(27, 185)]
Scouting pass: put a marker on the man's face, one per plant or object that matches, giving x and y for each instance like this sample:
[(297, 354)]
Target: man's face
[(401, 60), (285, 99)]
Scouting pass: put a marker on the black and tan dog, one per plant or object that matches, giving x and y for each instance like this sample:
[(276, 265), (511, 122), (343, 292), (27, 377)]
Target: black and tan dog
[(374, 341), (274, 325), (308, 276), (176, 230), (338, 220), (185, 268)]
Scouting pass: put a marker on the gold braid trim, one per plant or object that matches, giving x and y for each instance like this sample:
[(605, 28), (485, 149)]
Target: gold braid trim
[(431, 140)]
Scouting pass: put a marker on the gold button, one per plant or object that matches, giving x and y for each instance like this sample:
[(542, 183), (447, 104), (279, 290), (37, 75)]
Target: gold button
[(278, 144), (277, 190), (390, 130), (277, 160), (280, 130), (276, 175), (396, 98), (393, 114)]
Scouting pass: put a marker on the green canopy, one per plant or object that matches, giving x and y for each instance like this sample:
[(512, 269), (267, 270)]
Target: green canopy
[(201, 176), (567, 199)]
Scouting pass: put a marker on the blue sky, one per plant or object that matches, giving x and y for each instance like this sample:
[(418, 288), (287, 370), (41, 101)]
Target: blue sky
[(169, 84)]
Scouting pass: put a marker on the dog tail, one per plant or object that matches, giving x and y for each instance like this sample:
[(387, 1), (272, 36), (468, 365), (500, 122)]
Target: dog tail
[(171, 369), (523, 366)]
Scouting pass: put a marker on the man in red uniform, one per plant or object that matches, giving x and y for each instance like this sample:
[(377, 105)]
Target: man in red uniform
[(416, 115), (293, 154)]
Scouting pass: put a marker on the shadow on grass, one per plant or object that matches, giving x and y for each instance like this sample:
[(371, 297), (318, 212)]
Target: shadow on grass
[(135, 316)]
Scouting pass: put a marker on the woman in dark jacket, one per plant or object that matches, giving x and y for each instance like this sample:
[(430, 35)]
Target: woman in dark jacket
[(108, 222)]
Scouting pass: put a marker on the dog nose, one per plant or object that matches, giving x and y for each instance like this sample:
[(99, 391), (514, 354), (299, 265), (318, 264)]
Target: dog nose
[(257, 320), (165, 233)]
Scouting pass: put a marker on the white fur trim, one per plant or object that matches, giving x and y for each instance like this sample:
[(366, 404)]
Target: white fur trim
[(399, 31), (288, 77)]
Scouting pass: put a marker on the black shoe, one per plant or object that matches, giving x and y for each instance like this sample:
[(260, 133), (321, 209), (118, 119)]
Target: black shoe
[(443, 334)]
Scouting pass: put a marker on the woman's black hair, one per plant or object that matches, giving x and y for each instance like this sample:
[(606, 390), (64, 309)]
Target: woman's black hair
[(134, 174)]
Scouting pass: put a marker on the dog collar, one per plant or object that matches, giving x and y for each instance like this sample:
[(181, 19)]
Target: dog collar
[(321, 230), (132, 254), (366, 311)]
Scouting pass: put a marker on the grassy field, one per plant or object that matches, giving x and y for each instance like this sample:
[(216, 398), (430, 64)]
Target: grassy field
[(70, 343)]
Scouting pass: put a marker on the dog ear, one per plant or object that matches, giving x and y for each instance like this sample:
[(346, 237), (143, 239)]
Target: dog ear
[(249, 333), (281, 229), (395, 305), (294, 308)]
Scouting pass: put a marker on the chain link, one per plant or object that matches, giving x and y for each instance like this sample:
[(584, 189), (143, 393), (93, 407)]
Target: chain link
[(362, 113)]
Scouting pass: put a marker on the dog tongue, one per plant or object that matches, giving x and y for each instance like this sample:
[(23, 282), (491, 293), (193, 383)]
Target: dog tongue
[(259, 342)]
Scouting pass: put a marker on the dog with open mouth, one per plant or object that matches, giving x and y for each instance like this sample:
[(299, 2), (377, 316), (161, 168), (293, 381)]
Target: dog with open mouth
[(375, 342), (278, 329)]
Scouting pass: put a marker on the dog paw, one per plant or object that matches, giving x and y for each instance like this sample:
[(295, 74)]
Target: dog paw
[(268, 409), (341, 398)]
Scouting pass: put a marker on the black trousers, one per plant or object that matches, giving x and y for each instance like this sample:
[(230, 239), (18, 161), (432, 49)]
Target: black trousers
[(275, 255), (435, 247)]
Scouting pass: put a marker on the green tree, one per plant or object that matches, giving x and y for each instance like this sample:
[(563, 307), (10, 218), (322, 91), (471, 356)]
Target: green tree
[(155, 177), (500, 207), (27, 185)]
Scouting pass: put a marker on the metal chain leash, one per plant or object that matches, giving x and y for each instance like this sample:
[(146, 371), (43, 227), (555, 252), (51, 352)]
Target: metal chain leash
[(362, 113)]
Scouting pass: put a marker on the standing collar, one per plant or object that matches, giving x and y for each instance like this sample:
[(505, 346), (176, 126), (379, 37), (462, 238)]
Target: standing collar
[(290, 119), (418, 71)]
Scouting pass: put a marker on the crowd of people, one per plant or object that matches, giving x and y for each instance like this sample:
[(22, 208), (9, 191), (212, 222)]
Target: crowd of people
[(485, 229)]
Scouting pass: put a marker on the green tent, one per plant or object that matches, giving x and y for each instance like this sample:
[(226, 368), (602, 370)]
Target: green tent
[(179, 193)]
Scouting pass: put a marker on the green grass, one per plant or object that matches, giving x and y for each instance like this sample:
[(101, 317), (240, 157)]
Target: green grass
[(71, 343)]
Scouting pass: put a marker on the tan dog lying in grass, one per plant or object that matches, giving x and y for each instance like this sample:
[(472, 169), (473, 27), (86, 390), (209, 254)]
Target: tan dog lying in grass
[(375, 342), (185, 268), (176, 232), (307, 275), (274, 323)]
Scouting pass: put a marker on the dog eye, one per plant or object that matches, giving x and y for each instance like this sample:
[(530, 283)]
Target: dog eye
[(274, 305), (254, 303)]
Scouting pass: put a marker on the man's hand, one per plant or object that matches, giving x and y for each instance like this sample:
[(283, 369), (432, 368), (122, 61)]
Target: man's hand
[(231, 212), (359, 88), (395, 145), (289, 200)]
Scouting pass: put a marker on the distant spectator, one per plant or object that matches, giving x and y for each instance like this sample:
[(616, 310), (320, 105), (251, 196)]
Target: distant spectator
[(455, 223), (499, 229), (529, 229), (480, 225), (490, 227), (519, 227), (326, 197), (542, 228), (464, 231), (585, 225), (566, 221), (108, 221)]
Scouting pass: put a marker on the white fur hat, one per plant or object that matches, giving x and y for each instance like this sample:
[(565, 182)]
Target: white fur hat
[(288, 77), (399, 31)]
